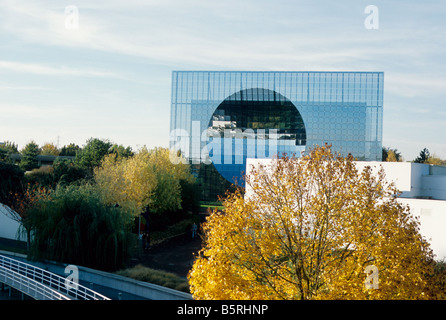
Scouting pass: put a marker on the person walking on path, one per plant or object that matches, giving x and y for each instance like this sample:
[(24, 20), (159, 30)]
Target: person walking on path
[(146, 241), (194, 230)]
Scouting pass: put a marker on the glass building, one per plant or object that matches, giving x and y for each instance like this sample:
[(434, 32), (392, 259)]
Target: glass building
[(220, 118)]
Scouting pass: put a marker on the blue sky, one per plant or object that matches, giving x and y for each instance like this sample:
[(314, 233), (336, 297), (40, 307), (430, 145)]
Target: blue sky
[(110, 77)]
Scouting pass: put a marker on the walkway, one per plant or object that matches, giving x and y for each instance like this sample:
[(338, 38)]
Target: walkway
[(42, 284)]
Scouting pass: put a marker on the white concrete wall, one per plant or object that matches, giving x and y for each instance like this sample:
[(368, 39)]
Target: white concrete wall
[(8, 227), (437, 170), (418, 170), (412, 179), (432, 215), (434, 186), (398, 172)]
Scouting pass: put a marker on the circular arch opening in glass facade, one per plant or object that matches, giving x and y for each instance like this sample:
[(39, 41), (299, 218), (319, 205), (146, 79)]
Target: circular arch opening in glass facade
[(253, 123)]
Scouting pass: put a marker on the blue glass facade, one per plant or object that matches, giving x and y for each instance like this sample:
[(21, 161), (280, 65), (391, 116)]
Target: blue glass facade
[(218, 118)]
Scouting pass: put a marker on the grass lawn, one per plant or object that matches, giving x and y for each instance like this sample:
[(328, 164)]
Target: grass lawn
[(211, 205)]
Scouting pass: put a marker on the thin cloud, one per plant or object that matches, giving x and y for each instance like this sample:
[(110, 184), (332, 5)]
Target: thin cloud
[(186, 36), (42, 69), (141, 41), (414, 85)]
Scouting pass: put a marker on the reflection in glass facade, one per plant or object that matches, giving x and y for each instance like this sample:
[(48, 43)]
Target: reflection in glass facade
[(253, 123), (219, 118)]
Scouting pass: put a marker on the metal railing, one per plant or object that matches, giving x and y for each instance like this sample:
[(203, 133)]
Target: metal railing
[(42, 284), (29, 286)]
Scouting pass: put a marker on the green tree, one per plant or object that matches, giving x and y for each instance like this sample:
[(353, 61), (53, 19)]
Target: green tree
[(29, 156), (4, 156), (69, 150), (121, 151), (66, 172), (423, 157), (91, 155), (11, 180), (11, 147), (167, 195), (75, 226), (24, 200), (6, 149), (391, 155)]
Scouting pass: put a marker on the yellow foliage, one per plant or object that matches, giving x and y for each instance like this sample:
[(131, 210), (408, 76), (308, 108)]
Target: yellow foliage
[(147, 179), (49, 149), (308, 230)]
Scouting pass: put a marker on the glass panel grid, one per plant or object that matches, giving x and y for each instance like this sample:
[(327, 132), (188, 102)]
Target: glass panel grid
[(341, 108)]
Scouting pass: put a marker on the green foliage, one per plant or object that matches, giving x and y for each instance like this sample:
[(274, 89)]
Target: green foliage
[(92, 154), (167, 193), (190, 201), (6, 149), (67, 172), (69, 150), (121, 151), (426, 157), (75, 226), (171, 178), (423, 157), (10, 147), (73, 220), (63, 172), (211, 205), (43, 176), (11, 179), (3, 155), (29, 156), (391, 155), (147, 181)]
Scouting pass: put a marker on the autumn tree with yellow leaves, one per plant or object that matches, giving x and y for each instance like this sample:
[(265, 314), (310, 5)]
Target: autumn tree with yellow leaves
[(147, 179), (313, 228)]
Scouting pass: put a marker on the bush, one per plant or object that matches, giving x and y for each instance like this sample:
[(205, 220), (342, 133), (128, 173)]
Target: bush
[(11, 179), (43, 176), (162, 278), (66, 172)]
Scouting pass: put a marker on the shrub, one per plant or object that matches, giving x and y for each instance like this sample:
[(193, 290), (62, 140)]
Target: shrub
[(162, 278)]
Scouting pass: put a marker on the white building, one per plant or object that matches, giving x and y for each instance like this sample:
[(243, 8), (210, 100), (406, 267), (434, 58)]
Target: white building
[(8, 227), (423, 188)]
